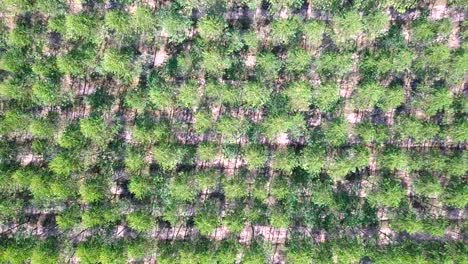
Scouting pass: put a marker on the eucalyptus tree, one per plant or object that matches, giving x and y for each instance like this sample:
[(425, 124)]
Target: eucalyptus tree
[(215, 62), (346, 28), (371, 133), (410, 128), (140, 221), (313, 32), (331, 65), (226, 95), (119, 64), (389, 194), (298, 61), (161, 98), (299, 95), (376, 24), (394, 97), (13, 122), (211, 28), (230, 128), (141, 186), (284, 31), (188, 96), (255, 156), (207, 219), (412, 225), (203, 122), (432, 100), (118, 22), (394, 159), (336, 132), (284, 160), (168, 155), (255, 95), (42, 128), (174, 25), (367, 96), (143, 20), (98, 130), (78, 60), (326, 96), (208, 152), (93, 190), (81, 27), (235, 188), (428, 186), (268, 66)]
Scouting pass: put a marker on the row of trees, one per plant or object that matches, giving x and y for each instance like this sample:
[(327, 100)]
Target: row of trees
[(121, 116), (301, 251)]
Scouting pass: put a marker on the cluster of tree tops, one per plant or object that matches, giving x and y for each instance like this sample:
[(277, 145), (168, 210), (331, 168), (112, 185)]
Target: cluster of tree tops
[(231, 113), (298, 251)]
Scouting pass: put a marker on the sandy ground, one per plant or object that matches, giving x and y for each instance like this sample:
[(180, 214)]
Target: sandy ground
[(75, 6), (438, 10), (160, 57)]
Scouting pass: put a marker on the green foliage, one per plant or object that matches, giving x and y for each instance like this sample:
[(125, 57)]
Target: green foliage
[(80, 26), (63, 165), (69, 218), (456, 195), (231, 128), (45, 253), (206, 221), (336, 132), (367, 96), (313, 159), (393, 98), (118, 21), (412, 225), (299, 95), (188, 96), (140, 187), (202, 122), (207, 152), (284, 160), (93, 190), (268, 66), (211, 28), (389, 194), (410, 128), (326, 96), (375, 24), (13, 121), (284, 31), (255, 156), (169, 155), (255, 95), (175, 26), (235, 189), (140, 221), (41, 128), (313, 32), (143, 20), (347, 27), (370, 133), (428, 186), (134, 161), (215, 63), (394, 159), (333, 64), (117, 63), (243, 127), (77, 61), (97, 130)]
